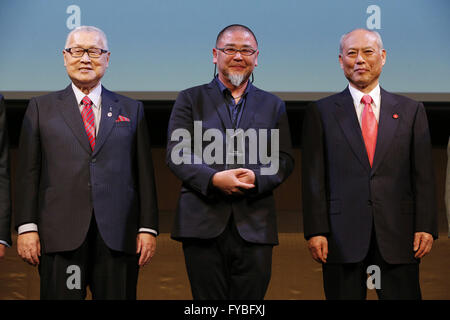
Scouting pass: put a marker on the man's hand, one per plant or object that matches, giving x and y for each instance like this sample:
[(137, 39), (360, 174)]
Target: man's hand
[(146, 246), (422, 244), (29, 247), (229, 181), (2, 251), (246, 176), (318, 247)]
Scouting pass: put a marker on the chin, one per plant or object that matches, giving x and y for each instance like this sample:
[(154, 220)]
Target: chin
[(361, 82), (86, 79)]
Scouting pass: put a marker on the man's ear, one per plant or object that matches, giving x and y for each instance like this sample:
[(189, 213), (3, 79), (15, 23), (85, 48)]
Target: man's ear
[(108, 55), (64, 57), (214, 50)]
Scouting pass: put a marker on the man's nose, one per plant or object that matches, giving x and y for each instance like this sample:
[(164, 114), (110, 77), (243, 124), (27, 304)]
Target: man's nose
[(85, 57), (237, 56), (359, 58)]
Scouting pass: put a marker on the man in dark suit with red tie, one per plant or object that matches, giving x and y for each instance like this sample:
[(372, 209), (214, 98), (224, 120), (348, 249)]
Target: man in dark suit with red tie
[(368, 186), (86, 208)]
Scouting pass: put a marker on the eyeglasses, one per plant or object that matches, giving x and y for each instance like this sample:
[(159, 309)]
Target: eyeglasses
[(233, 51), (92, 52)]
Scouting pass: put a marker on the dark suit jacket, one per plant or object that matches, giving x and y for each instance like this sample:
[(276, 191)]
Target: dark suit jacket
[(5, 200), (343, 195), (204, 211), (60, 181)]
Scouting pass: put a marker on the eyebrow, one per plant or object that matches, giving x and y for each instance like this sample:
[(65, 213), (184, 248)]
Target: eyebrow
[(83, 47), (234, 45), (368, 47)]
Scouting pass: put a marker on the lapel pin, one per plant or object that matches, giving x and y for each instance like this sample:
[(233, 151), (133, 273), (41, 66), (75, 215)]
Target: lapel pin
[(110, 114), (395, 116)]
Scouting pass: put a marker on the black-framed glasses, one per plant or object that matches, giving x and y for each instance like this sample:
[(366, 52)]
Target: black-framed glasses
[(92, 52), (232, 51)]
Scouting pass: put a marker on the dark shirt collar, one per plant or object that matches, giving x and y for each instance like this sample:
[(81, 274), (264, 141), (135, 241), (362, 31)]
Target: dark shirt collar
[(226, 92)]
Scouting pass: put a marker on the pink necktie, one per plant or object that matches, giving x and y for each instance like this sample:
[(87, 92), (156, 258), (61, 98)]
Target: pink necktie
[(88, 118), (369, 127)]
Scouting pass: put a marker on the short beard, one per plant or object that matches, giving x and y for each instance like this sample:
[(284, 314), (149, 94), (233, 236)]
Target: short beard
[(237, 79)]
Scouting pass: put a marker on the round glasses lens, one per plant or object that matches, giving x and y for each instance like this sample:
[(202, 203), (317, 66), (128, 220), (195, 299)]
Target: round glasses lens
[(230, 51), (247, 52), (77, 52), (94, 52)]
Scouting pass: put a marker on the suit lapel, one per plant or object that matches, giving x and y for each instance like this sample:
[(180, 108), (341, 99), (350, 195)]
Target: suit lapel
[(72, 116), (109, 113), (220, 105), (346, 117), (387, 125)]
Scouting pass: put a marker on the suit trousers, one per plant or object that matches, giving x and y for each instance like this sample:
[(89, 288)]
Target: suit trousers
[(109, 274), (349, 281), (227, 267)]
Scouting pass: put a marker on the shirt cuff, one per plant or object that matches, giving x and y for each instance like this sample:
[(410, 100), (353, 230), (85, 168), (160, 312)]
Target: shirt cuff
[(148, 231), (28, 227), (33, 227), (5, 243)]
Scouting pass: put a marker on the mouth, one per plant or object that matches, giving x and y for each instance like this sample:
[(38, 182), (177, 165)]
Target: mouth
[(238, 67), (361, 70)]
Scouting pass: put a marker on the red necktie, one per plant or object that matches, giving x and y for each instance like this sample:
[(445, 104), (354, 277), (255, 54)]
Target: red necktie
[(88, 118), (369, 127)]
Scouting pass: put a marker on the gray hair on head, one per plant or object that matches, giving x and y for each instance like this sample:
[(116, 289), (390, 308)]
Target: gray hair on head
[(88, 29), (375, 33)]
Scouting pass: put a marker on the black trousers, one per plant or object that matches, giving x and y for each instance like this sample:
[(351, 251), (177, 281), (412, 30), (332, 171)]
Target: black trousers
[(349, 281), (227, 267), (109, 274)]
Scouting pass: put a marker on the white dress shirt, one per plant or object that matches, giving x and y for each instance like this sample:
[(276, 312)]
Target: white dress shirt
[(96, 97), (359, 106)]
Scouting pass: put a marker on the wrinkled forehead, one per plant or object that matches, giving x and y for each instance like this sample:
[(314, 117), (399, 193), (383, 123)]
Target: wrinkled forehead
[(237, 38), (86, 38), (360, 39)]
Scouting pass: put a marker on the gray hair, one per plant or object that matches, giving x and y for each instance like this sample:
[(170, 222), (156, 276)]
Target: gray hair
[(88, 29), (375, 33)]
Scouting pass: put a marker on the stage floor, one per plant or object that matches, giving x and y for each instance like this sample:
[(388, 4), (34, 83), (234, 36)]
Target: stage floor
[(295, 276)]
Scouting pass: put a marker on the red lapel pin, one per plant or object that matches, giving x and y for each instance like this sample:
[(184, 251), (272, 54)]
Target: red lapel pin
[(395, 116)]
